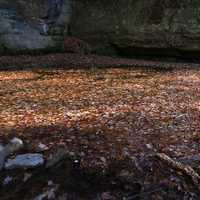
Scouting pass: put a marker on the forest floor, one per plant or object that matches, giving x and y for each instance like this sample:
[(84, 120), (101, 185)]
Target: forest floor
[(108, 120)]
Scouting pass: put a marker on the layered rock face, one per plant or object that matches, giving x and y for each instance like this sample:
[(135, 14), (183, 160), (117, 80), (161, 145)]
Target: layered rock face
[(139, 27), (33, 25), (125, 27)]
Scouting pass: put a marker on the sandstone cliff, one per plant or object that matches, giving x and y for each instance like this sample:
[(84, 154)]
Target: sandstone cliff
[(134, 27), (131, 27), (33, 25)]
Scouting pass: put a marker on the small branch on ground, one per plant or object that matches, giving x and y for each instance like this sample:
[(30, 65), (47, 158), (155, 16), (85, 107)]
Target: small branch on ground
[(184, 169)]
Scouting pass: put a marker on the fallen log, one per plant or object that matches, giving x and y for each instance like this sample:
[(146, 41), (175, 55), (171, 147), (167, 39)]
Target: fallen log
[(178, 166)]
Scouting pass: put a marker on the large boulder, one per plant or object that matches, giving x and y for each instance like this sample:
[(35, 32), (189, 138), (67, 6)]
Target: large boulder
[(139, 27), (33, 25)]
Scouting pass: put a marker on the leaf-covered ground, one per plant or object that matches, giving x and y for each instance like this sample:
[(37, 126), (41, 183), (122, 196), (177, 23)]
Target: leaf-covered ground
[(108, 119), (103, 114)]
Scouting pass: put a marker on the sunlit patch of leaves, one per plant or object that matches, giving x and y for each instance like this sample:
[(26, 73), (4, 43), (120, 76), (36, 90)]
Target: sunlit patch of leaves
[(103, 112)]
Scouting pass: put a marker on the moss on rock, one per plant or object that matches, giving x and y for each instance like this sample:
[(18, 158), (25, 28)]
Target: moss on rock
[(170, 26)]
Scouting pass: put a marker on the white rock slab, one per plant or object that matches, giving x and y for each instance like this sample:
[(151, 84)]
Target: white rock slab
[(14, 145), (25, 161)]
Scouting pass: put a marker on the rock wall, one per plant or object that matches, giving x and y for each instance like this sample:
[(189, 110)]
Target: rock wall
[(139, 27), (125, 27), (33, 25)]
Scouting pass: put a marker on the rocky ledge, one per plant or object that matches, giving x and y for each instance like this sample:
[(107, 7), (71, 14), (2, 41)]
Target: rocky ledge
[(123, 28), (135, 28), (33, 25)]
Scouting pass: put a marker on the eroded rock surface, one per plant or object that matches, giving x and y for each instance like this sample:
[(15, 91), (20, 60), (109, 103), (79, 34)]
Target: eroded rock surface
[(154, 27), (33, 25), (139, 27)]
